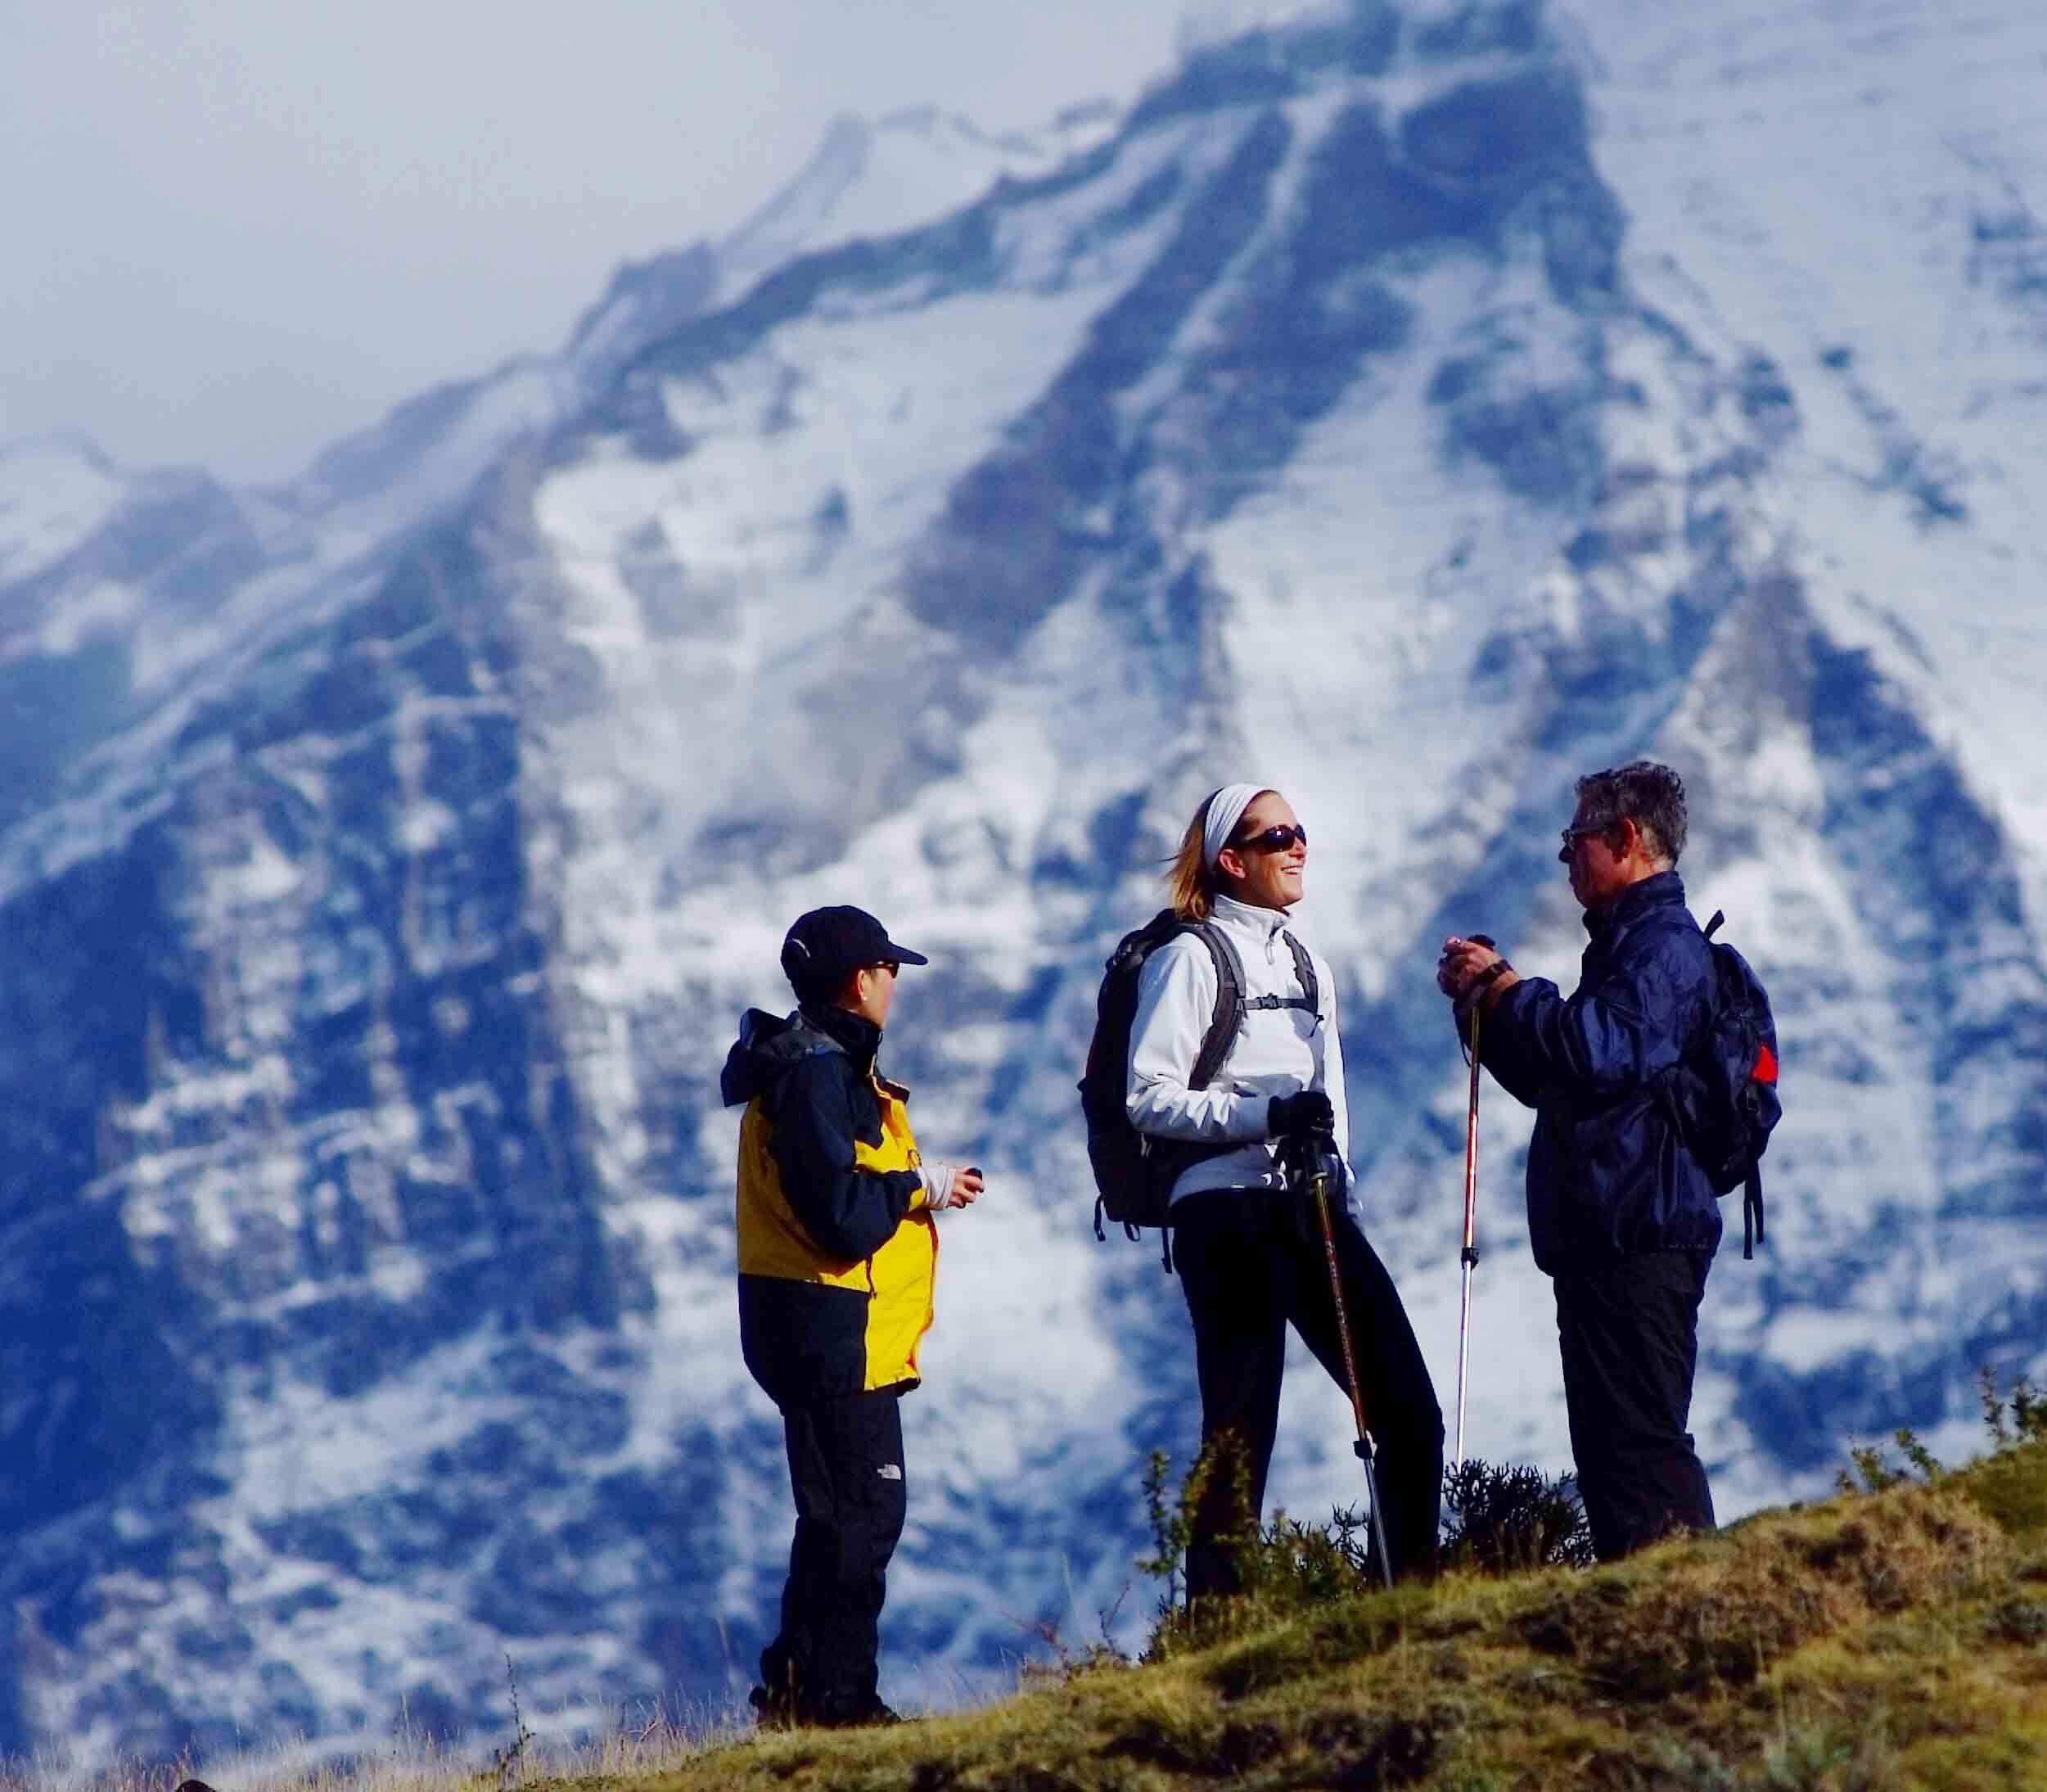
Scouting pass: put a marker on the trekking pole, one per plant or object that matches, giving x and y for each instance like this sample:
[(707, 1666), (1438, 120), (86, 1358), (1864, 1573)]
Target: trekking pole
[(1322, 1144), (1470, 1255)]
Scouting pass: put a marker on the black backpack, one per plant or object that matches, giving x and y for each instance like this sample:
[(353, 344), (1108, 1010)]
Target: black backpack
[(1134, 1172), (1724, 1095)]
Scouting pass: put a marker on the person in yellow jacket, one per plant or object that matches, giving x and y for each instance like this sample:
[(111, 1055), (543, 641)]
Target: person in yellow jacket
[(837, 1255)]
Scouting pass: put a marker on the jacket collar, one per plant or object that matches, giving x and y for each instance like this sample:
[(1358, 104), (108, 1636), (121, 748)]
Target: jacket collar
[(855, 1034), (1664, 890), (1261, 925)]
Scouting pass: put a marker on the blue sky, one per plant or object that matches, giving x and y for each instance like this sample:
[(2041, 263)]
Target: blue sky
[(237, 228)]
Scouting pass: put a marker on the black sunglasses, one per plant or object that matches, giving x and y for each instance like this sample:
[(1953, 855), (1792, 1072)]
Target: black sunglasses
[(1276, 839), (1572, 836)]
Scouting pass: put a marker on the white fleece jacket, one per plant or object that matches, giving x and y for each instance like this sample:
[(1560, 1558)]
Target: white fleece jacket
[(1278, 1051)]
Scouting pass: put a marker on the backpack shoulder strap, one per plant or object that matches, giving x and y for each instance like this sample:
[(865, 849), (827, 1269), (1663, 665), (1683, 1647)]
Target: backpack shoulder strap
[(1229, 1005), (1305, 969), (1716, 992)]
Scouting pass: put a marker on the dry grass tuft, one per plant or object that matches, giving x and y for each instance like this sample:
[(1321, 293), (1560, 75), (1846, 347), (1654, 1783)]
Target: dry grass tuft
[(1719, 1610)]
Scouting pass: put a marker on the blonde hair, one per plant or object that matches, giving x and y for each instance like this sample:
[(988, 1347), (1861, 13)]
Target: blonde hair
[(1191, 887)]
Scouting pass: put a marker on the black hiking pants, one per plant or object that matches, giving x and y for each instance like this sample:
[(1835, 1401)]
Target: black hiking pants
[(1250, 1263), (1628, 1332), (846, 1465)]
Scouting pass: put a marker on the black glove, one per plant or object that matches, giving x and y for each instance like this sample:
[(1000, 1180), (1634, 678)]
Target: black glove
[(1300, 1116)]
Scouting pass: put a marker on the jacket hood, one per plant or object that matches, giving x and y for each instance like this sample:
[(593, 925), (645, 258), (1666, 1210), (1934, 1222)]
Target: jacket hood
[(769, 1044)]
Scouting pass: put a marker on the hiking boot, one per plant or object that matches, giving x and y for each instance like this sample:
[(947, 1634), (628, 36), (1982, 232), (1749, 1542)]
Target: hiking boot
[(863, 1714), (784, 1711), (773, 1710)]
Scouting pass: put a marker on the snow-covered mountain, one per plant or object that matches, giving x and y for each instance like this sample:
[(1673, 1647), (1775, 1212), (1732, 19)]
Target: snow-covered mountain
[(1411, 406)]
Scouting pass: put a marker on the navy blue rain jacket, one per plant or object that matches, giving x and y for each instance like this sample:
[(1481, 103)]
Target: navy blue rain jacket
[(1607, 1175)]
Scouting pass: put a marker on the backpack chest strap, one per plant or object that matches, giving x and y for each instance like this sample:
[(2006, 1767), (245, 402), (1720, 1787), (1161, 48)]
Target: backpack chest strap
[(1309, 999)]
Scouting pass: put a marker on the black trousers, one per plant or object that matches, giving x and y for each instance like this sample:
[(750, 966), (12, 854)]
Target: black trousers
[(1628, 1332), (845, 1466), (1250, 1264)]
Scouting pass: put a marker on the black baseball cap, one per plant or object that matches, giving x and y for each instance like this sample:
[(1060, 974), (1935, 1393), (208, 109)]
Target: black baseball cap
[(827, 946)]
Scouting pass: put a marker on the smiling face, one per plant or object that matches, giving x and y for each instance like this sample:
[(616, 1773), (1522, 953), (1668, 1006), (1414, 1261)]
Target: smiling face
[(1258, 868)]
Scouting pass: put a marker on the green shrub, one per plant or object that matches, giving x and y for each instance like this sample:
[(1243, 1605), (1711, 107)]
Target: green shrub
[(2027, 1410), (1874, 1472), (2012, 1487), (2013, 1420), (1501, 1519), (1511, 1516)]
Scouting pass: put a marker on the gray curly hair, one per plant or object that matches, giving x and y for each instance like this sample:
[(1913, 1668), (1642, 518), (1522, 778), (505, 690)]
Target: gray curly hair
[(1650, 795)]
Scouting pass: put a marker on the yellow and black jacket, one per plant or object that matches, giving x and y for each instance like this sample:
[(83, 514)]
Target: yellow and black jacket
[(837, 1249)]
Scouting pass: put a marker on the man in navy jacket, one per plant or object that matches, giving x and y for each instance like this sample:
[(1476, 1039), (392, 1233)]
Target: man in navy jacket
[(1621, 1214)]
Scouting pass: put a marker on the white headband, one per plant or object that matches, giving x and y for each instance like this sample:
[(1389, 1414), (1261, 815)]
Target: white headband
[(1225, 809)]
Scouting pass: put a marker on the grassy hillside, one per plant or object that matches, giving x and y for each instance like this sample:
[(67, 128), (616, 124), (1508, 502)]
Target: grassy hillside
[(1889, 1638)]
